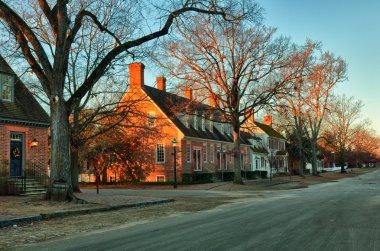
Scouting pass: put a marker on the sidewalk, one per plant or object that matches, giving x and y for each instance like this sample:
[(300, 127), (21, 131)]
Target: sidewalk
[(21, 210)]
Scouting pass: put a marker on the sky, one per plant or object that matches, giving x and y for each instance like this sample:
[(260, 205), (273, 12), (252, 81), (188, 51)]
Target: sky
[(349, 29)]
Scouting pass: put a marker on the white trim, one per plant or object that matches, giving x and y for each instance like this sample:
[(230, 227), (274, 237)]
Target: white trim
[(204, 153), (156, 153), (188, 152), (212, 153)]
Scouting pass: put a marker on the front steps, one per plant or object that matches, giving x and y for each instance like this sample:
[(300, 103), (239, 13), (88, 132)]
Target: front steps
[(31, 187)]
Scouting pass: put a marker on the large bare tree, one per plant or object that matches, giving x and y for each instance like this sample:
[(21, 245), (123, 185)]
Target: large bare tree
[(342, 122), (292, 103), (326, 72), (235, 63), (46, 44)]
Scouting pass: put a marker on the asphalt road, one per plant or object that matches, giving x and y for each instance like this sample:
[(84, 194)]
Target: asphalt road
[(340, 215)]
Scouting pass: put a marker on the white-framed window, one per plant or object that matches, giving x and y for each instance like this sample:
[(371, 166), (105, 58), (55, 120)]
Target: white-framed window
[(221, 128), (160, 178), (187, 121), (212, 153), (188, 152), (195, 122), (257, 164), (160, 153), (151, 119), (7, 82), (211, 124), (203, 124), (205, 153)]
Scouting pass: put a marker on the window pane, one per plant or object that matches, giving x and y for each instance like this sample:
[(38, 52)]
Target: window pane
[(212, 153), (160, 153), (6, 87), (188, 150)]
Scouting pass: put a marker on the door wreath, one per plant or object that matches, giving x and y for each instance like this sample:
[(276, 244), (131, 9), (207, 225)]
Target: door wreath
[(16, 153)]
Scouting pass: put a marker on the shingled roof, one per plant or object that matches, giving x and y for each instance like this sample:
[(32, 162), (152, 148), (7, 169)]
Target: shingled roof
[(24, 107), (172, 105), (269, 130)]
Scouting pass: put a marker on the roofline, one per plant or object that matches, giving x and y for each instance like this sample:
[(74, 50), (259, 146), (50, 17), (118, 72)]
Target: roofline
[(24, 122), (212, 140)]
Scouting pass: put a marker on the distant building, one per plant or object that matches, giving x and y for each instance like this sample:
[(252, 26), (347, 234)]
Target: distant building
[(205, 141), (268, 147)]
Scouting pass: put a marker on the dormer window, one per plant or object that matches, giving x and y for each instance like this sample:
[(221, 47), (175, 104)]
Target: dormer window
[(203, 124), (6, 87), (211, 126), (228, 129), (195, 122), (187, 121)]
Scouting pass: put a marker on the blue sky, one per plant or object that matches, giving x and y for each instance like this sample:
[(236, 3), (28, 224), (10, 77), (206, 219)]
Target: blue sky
[(348, 28)]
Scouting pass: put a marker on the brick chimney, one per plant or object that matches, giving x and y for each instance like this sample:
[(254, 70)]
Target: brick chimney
[(268, 120), (189, 93), (213, 100), (161, 83), (250, 117), (136, 75)]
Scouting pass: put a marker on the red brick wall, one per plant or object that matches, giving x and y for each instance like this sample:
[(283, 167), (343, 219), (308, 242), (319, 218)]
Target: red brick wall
[(39, 154)]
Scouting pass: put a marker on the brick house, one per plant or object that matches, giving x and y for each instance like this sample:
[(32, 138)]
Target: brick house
[(205, 141), (23, 128), (268, 147)]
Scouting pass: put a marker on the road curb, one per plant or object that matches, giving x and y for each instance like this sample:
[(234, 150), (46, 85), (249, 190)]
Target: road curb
[(22, 220), (62, 214)]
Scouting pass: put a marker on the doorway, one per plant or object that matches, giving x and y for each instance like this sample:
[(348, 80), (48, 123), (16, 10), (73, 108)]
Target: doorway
[(16, 155)]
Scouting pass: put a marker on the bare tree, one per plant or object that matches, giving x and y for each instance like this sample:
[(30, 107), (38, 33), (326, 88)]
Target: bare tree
[(324, 75), (292, 104), (341, 125), (365, 144), (237, 64), (46, 43)]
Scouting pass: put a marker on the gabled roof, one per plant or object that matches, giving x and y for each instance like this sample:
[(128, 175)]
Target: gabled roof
[(24, 107), (172, 105), (269, 130)]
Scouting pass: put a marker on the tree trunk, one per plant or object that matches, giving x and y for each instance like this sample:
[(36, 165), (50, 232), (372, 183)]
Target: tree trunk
[(341, 160), (300, 153), (237, 160), (314, 158), (75, 168), (60, 145)]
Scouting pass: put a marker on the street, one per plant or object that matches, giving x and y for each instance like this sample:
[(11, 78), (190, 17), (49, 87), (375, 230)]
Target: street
[(341, 215)]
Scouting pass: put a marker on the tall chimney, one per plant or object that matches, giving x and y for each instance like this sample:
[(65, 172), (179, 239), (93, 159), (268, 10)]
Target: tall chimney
[(189, 93), (250, 117), (213, 100), (268, 120), (161, 83), (136, 75)]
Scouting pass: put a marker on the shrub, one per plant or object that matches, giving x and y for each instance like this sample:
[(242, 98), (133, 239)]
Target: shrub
[(263, 174), (197, 177), (227, 175), (250, 175)]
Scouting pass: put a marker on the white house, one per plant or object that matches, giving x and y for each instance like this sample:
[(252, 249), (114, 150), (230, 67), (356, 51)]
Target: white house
[(268, 151)]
